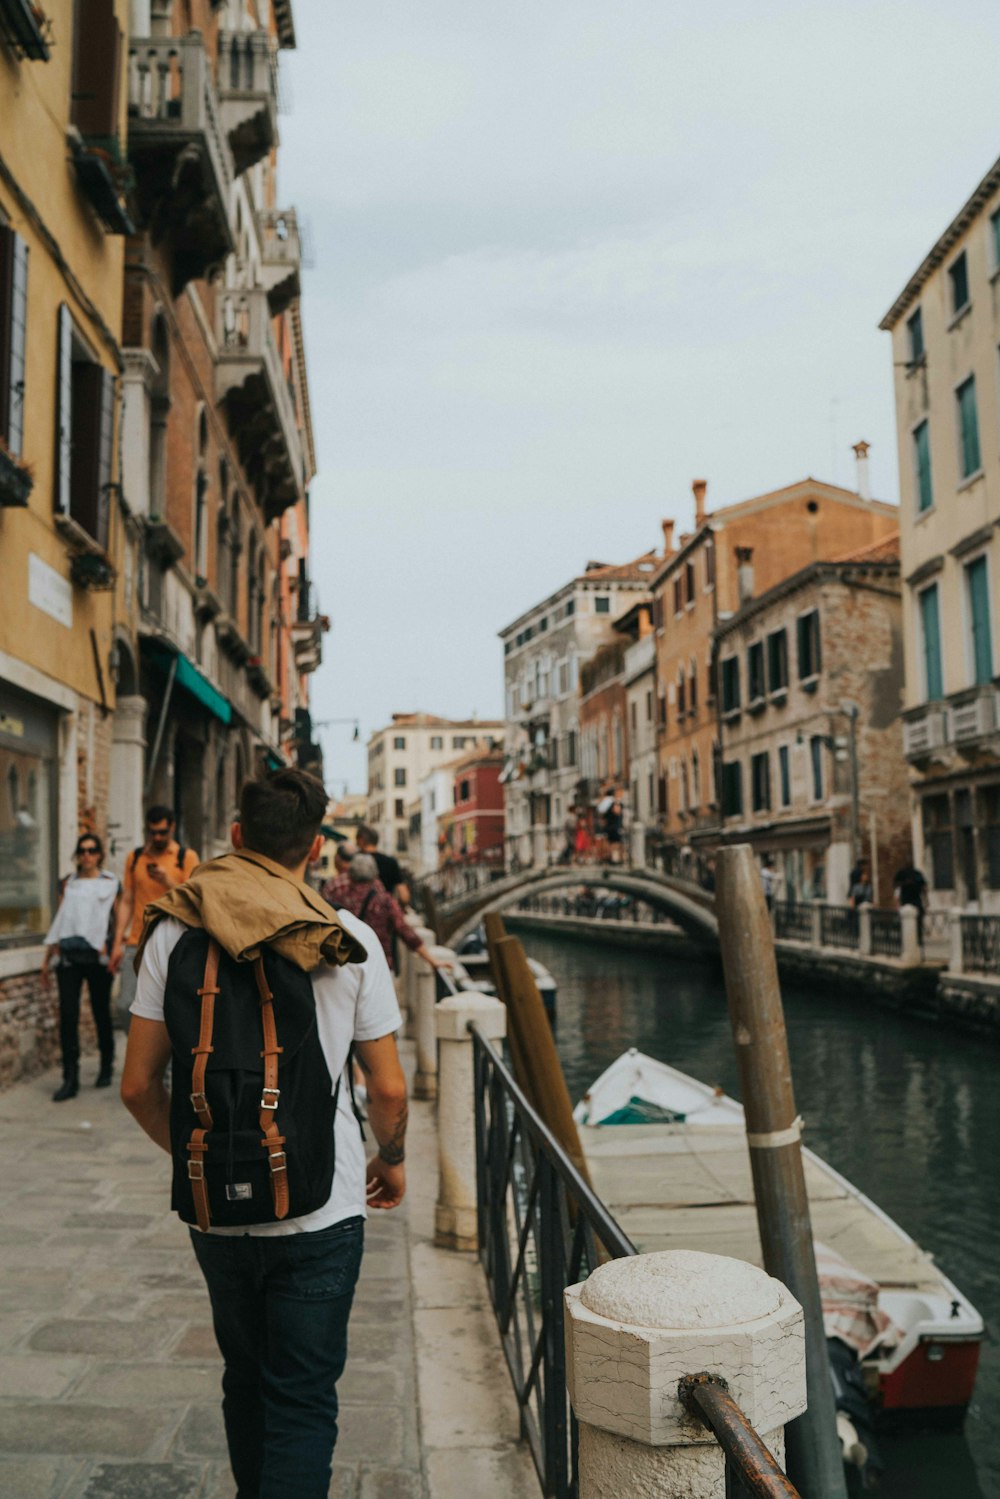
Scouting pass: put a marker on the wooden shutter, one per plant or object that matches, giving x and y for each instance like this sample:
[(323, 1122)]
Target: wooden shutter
[(13, 336), (979, 609), (930, 621), (61, 489), (97, 51), (90, 466), (105, 452)]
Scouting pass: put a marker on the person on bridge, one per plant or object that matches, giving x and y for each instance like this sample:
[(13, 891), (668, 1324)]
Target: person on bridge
[(281, 1286)]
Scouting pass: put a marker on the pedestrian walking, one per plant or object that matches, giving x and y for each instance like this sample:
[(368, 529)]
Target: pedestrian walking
[(910, 889), (278, 1232), (361, 892), (150, 871), (390, 872), (769, 880), (79, 939)]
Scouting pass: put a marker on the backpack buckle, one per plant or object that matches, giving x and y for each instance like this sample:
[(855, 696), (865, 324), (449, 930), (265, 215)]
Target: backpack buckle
[(196, 1171), (199, 1102), (269, 1098), (276, 1161)]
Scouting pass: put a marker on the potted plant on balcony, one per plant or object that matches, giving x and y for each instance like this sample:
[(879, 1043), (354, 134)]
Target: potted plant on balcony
[(16, 479), (92, 570)]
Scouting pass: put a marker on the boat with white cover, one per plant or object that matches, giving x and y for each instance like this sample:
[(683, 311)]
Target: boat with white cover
[(668, 1155)]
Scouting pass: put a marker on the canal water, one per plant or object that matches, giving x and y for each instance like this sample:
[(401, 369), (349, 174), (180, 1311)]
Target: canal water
[(905, 1109)]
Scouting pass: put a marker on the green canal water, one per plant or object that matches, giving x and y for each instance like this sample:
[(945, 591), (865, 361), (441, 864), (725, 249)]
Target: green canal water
[(907, 1110)]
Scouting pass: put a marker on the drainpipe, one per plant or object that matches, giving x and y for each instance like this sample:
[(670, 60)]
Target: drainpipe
[(157, 742)]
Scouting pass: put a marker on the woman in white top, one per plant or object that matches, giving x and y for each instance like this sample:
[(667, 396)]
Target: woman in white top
[(79, 938)]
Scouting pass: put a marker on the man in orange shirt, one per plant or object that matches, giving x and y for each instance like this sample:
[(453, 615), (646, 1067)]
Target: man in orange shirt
[(150, 872)]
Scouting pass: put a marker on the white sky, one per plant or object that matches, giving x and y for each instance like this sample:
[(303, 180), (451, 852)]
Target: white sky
[(569, 257)]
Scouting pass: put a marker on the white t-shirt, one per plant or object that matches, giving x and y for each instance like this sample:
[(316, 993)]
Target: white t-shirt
[(356, 1002)]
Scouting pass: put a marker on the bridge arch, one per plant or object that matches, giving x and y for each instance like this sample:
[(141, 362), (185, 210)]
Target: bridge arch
[(687, 905)]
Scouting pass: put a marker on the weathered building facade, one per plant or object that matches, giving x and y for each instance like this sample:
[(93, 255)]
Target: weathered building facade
[(812, 768), (945, 327), (402, 755)]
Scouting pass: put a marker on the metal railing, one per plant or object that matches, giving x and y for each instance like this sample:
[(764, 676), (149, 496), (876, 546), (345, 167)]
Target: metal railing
[(887, 933), (981, 944), (838, 926), (792, 921), (541, 1229)]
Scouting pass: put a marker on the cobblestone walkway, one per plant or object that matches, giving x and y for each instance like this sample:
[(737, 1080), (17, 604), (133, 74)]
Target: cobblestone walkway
[(109, 1374)]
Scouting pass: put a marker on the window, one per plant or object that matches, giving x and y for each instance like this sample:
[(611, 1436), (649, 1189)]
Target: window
[(968, 423), (634, 717), (808, 644), (915, 332), (678, 596), (401, 841), (977, 588), (958, 275), (399, 743), (777, 661), (693, 687), (649, 706), (991, 826), (84, 428), (732, 788), (710, 566), (543, 623), (571, 747), (399, 777), (437, 742), (681, 693), (695, 779), (689, 581), (13, 336), (28, 782), (463, 791), (400, 807), (922, 466), (760, 782), (930, 640), (97, 44), (784, 775), (570, 607), (458, 742), (731, 684), (602, 604), (755, 672), (816, 757), (563, 678), (938, 841)]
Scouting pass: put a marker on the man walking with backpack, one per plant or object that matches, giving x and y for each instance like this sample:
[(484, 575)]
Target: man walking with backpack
[(259, 992), (150, 871)]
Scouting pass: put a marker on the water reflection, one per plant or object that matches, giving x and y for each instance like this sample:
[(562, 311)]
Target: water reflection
[(906, 1110)]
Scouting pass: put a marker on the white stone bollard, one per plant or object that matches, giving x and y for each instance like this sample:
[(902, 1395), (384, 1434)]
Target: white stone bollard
[(455, 1225), (416, 965), (956, 957), (425, 986), (636, 1328), (865, 930), (910, 953)]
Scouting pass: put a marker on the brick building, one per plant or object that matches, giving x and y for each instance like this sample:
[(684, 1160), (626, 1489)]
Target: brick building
[(742, 549), (402, 756), (812, 767), (472, 829), (605, 727)]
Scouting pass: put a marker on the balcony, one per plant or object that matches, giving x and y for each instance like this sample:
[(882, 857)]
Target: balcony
[(26, 29), (307, 643), (248, 95), (281, 254), (179, 151), (925, 733), (973, 715), (251, 382), (640, 657)]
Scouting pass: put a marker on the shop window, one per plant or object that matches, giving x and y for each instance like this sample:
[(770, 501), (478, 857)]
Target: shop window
[(938, 841), (27, 818)]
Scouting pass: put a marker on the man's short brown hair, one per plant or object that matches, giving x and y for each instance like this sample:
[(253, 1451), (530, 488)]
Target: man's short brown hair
[(367, 836), (281, 812)]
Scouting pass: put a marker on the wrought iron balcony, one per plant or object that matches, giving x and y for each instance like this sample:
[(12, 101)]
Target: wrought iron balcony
[(251, 380), (247, 78), (179, 150), (281, 254)]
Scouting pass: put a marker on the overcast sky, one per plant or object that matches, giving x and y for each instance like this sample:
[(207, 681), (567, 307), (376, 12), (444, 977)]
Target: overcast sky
[(568, 257)]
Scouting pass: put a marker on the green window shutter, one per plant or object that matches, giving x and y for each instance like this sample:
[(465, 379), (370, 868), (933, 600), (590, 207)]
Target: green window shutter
[(61, 488), (969, 423), (979, 611), (930, 629), (922, 464), (786, 780), (13, 336)]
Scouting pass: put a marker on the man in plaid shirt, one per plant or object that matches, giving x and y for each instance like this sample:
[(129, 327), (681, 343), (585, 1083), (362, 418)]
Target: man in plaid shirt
[(363, 894)]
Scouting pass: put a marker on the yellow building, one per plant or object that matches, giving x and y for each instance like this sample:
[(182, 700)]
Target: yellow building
[(63, 595), (945, 327)]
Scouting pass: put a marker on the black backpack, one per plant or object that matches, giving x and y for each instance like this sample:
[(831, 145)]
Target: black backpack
[(252, 1105)]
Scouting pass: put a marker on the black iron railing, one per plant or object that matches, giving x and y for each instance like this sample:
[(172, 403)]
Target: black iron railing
[(838, 926), (981, 944), (887, 933), (541, 1229), (792, 921)]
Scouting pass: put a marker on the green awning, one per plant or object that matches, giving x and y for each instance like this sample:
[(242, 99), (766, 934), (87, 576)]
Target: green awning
[(195, 682)]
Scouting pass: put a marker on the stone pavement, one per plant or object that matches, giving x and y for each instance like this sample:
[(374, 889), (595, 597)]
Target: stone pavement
[(109, 1374)]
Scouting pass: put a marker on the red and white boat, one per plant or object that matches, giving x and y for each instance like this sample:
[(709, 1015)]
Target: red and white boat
[(668, 1155)]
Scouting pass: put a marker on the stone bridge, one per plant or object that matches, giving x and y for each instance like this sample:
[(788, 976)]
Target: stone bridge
[(456, 914)]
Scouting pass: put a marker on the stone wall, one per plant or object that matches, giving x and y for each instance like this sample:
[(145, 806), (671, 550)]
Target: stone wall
[(29, 1027)]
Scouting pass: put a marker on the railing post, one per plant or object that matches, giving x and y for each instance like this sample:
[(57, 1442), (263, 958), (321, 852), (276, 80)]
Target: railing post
[(425, 1079), (426, 936), (956, 956), (638, 1327), (816, 924), (865, 931), (910, 945), (455, 1215)]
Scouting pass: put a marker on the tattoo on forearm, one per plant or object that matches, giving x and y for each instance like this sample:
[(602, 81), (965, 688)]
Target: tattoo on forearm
[(392, 1152)]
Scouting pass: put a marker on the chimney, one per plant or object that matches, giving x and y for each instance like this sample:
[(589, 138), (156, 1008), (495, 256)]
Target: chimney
[(699, 486), (668, 537), (861, 457), (744, 573)]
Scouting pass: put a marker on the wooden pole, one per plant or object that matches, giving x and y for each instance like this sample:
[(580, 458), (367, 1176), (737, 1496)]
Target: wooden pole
[(815, 1464)]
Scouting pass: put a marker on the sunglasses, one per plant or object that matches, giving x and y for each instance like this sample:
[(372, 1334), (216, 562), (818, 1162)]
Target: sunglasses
[(88, 849)]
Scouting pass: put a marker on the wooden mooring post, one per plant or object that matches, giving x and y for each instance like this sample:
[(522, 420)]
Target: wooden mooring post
[(815, 1463)]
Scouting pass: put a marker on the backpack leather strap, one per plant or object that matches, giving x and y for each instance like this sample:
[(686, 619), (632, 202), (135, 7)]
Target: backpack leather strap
[(197, 1145), (273, 1141)]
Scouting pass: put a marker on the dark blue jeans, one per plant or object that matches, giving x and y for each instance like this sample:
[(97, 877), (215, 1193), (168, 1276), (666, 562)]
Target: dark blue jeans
[(280, 1307)]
